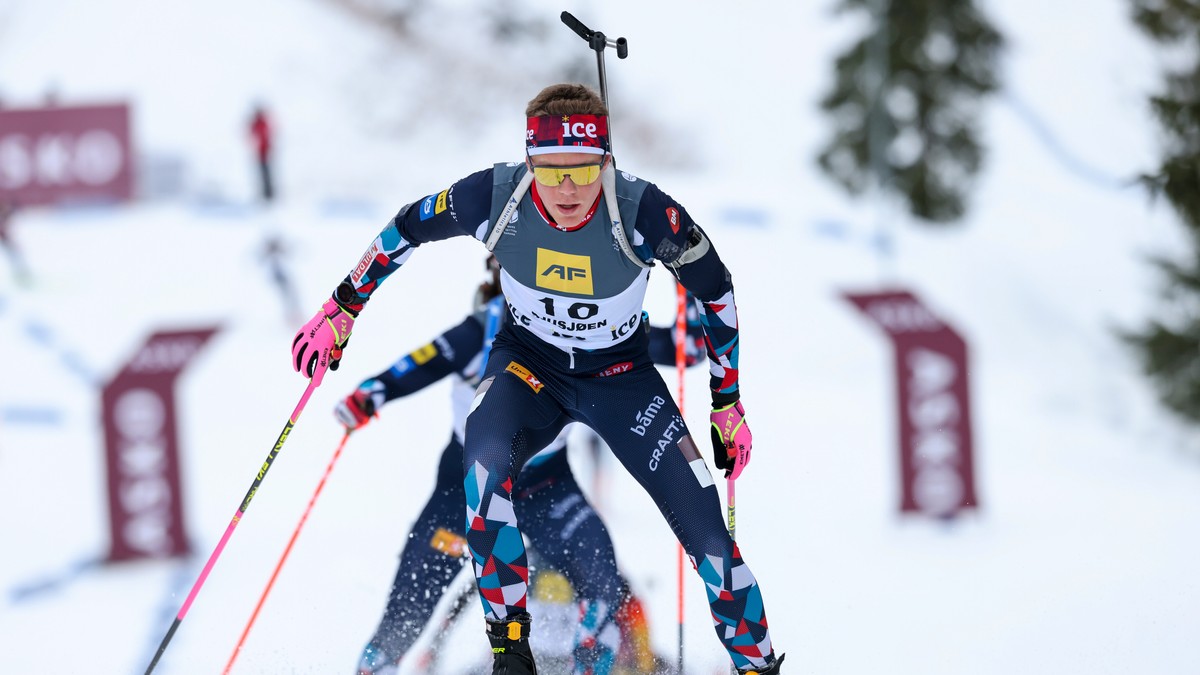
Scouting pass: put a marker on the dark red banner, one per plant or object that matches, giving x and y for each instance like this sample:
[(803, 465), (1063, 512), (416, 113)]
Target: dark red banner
[(66, 154), (141, 442), (933, 398)]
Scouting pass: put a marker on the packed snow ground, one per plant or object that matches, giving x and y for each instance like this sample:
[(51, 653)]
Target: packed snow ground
[(1081, 558)]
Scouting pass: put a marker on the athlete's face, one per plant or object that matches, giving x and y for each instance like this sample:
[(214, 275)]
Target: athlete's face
[(567, 202)]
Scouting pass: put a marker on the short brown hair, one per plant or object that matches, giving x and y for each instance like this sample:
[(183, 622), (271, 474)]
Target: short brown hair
[(566, 99)]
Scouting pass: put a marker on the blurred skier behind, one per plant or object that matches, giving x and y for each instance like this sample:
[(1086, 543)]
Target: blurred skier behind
[(273, 253), (20, 269)]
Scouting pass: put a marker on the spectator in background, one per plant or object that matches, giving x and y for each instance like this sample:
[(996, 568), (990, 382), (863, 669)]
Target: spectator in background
[(260, 134), (20, 270)]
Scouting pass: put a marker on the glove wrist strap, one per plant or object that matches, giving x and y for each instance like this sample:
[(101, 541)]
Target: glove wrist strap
[(720, 400), (345, 297)]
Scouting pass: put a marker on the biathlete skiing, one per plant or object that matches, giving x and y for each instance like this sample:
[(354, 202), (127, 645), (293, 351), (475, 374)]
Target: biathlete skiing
[(576, 240)]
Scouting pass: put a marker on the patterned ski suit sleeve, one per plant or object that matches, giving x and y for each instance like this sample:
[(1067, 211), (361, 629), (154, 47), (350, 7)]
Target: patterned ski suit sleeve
[(672, 237), (455, 211), (450, 352)]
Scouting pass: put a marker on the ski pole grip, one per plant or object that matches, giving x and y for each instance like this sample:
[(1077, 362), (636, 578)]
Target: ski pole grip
[(575, 25)]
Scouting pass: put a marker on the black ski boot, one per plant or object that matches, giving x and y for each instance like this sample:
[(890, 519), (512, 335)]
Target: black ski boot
[(771, 669), (510, 646)]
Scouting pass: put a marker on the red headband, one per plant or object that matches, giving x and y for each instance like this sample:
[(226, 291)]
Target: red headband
[(566, 133)]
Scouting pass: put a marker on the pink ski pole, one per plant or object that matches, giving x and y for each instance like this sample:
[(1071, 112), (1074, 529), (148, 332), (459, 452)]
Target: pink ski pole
[(286, 551), (237, 516), (731, 514)]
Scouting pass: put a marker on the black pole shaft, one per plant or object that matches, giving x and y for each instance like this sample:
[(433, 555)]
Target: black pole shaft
[(162, 647)]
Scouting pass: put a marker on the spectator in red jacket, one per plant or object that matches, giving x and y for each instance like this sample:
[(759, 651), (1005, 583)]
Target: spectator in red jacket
[(260, 133)]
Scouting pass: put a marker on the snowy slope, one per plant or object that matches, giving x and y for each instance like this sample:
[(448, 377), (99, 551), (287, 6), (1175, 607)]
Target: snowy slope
[(1080, 560)]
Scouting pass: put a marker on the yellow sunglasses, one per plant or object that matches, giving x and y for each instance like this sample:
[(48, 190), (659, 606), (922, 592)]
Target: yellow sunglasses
[(580, 174)]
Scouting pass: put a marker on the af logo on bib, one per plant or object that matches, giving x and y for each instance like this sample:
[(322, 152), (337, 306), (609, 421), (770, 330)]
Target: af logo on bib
[(564, 272)]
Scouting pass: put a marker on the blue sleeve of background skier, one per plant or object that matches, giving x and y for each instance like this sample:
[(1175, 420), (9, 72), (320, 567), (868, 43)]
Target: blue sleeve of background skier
[(662, 340), (456, 211), (666, 229), (449, 352)]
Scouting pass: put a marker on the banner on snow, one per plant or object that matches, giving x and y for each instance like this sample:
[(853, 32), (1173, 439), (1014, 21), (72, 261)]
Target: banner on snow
[(142, 448), (72, 154), (933, 401)]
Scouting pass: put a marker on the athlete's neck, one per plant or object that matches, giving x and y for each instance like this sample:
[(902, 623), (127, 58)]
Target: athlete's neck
[(541, 207)]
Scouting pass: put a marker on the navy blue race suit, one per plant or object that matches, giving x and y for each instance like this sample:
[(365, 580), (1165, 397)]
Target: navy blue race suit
[(573, 352)]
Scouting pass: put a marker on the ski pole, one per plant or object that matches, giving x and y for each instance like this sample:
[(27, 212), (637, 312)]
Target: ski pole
[(730, 509), (598, 41), (681, 369), (286, 551), (731, 514), (237, 516), (427, 662)]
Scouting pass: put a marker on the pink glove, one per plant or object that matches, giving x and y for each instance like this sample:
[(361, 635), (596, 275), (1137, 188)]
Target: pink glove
[(731, 439), (318, 345)]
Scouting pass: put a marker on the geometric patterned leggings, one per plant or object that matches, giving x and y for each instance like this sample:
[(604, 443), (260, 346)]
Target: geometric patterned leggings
[(527, 395)]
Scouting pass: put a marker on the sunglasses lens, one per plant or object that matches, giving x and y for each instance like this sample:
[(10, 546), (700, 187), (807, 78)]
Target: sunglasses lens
[(547, 175), (552, 176), (586, 175)]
